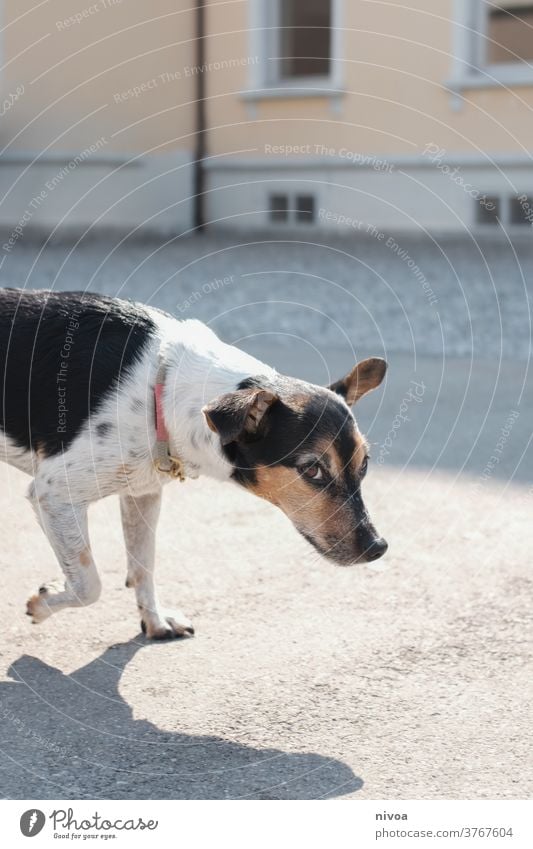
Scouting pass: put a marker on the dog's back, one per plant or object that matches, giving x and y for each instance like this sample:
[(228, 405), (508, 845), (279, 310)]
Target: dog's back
[(68, 347)]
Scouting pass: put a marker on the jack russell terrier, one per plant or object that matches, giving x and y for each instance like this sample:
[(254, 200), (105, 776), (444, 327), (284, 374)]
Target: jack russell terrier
[(103, 396)]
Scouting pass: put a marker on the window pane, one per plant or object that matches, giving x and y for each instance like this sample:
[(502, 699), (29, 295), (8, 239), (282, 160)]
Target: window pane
[(305, 208), (510, 33), (521, 209), (488, 210), (279, 207), (305, 38)]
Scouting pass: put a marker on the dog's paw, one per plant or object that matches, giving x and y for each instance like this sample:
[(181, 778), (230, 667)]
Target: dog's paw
[(37, 606), (166, 624)]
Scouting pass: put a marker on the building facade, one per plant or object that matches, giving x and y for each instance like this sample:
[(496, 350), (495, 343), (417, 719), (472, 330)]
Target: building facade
[(314, 115)]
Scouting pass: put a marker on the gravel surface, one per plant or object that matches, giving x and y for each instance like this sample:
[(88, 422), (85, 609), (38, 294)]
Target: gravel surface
[(452, 297)]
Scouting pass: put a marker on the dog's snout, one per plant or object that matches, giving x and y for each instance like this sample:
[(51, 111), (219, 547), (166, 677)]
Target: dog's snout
[(376, 549)]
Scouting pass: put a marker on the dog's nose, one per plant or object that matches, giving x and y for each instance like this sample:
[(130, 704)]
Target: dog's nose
[(376, 549)]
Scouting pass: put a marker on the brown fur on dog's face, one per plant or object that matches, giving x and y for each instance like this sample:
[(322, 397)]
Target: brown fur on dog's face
[(298, 446)]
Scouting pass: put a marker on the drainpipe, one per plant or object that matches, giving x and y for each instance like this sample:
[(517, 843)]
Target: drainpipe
[(201, 129)]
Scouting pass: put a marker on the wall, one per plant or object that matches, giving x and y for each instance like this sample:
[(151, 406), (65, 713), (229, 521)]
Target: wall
[(365, 154), (112, 77)]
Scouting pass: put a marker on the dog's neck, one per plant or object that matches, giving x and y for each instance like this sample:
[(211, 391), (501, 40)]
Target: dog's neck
[(198, 368)]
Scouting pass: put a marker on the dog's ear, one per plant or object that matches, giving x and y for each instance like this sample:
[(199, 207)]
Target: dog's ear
[(364, 377), (238, 413)]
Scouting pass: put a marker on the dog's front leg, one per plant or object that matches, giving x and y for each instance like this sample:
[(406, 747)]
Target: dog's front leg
[(65, 525), (139, 522)]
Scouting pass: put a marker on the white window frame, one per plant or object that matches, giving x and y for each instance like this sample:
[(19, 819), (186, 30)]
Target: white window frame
[(469, 48), (264, 17)]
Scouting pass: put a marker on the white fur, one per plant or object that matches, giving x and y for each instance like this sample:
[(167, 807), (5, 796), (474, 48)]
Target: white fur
[(200, 367)]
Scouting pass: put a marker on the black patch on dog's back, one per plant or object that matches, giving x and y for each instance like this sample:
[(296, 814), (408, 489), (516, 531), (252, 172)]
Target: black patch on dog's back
[(63, 345)]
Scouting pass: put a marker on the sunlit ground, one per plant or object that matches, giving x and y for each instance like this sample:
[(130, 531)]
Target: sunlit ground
[(304, 679)]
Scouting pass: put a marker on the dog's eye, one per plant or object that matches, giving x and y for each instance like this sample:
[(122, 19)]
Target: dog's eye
[(313, 472), (364, 467)]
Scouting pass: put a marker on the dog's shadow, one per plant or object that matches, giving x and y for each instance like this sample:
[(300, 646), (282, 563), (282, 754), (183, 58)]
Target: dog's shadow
[(74, 736)]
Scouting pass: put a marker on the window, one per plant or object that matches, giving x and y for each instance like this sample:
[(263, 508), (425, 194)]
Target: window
[(492, 44), (521, 210), (279, 208), (304, 38), (298, 45), (509, 32), (305, 208), (297, 210), (509, 211), (488, 210)]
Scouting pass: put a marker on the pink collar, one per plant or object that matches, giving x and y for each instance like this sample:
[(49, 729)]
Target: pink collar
[(164, 462), (160, 425)]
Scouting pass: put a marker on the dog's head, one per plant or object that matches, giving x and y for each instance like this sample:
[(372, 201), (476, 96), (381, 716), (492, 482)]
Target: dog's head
[(298, 446)]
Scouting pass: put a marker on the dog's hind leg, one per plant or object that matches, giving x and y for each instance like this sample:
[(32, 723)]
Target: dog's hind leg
[(65, 525), (139, 522)]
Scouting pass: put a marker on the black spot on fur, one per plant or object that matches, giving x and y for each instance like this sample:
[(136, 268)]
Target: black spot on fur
[(82, 344), (103, 428)]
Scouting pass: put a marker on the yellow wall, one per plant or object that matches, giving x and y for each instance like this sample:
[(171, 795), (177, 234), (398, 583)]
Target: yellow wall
[(397, 60), (116, 45)]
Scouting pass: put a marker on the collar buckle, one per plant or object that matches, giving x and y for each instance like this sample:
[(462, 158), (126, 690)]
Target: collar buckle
[(172, 466)]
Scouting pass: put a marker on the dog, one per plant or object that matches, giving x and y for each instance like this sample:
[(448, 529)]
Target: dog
[(104, 396)]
